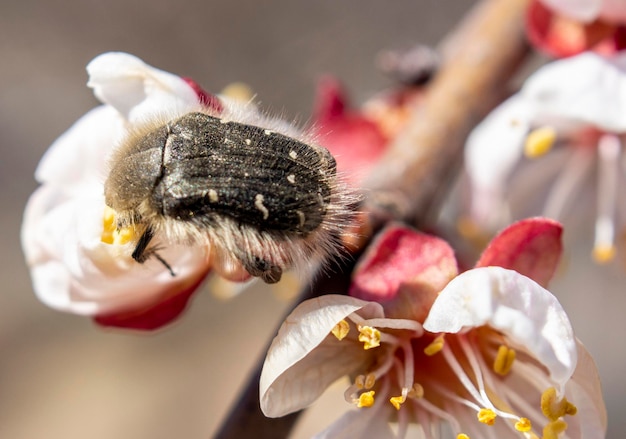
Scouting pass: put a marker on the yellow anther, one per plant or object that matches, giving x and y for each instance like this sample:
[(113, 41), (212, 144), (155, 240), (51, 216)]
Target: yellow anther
[(471, 231), (370, 380), (603, 254), (523, 425), (553, 429), (552, 408), (370, 337), (504, 360), (123, 236), (366, 399), (359, 382), (486, 416), (238, 91), (417, 391), (110, 233), (539, 142), (397, 401), (462, 436), (341, 329), (435, 346), (108, 225)]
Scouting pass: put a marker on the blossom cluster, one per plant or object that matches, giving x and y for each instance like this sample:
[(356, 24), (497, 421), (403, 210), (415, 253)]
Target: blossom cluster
[(483, 353), (489, 352)]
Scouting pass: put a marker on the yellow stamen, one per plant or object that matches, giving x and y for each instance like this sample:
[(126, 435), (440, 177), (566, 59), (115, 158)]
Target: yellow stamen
[(486, 416), (523, 425), (604, 253), (435, 346), (238, 91), (370, 380), (504, 360), (539, 142), (366, 399), (396, 401), (552, 408), (341, 329), (472, 232), (370, 337), (111, 234), (359, 382), (462, 436), (553, 429), (365, 382), (417, 391)]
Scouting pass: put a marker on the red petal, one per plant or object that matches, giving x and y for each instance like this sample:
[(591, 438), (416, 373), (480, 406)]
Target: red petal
[(330, 100), (531, 247), (404, 270), (559, 36), (207, 99), (151, 317), (355, 141)]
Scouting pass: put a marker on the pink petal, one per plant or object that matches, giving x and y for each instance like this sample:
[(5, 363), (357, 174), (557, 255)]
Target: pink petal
[(206, 99), (355, 141), (531, 247), (153, 316), (404, 270), (561, 37)]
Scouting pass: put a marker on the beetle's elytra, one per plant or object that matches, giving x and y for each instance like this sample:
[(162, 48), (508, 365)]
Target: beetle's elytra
[(256, 195)]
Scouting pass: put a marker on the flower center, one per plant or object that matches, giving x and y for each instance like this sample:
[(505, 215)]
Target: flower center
[(442, 378), (111, 234)]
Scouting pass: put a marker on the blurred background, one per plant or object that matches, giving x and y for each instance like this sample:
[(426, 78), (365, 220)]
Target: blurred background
[(63, 377)]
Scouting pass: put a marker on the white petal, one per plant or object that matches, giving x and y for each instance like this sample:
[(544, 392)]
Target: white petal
[(586, 88), (72, 270), (360, 424), (303, 359), (493, 149), (136, 89), (580, 10), (80, 154), (585, 391), (513, 304)]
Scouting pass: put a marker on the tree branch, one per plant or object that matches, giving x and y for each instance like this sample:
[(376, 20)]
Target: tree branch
[(479, 58)]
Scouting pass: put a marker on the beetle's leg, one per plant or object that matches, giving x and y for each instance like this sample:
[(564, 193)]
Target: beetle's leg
[(268, 272), (141, 253)]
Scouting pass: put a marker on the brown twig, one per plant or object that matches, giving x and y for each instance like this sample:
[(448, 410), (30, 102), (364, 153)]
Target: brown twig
[(481, 55), (479, 58)]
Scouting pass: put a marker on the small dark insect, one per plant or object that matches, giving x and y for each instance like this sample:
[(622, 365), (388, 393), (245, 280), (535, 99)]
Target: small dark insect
[(256, 197)]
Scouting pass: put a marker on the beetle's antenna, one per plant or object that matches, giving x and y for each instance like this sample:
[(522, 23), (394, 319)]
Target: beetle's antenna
[(141, 254), (162, 261)]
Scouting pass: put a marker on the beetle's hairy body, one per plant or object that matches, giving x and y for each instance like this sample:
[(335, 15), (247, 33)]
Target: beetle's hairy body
[(252, 194)]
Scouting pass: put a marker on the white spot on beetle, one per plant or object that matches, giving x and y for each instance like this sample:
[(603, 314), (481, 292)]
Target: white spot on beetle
[(321, 198), (269, 132), (248, 142), (301, 217), (258, 203), (291, 178), (293, 154), (213, 196)]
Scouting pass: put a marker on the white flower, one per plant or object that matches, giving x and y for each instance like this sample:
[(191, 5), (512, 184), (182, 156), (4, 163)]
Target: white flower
[(495, 357), (577, 105), (78, 261), (506, 367)]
